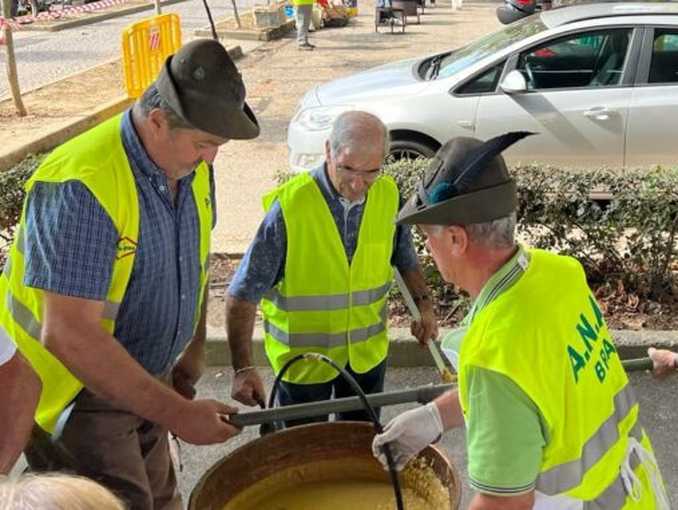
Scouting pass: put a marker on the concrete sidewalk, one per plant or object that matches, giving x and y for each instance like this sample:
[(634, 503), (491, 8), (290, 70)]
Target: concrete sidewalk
[(404, 351), (278, 74), (659, 414)]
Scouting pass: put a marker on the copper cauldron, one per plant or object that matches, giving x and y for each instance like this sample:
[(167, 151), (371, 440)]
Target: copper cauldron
[(299, 446)]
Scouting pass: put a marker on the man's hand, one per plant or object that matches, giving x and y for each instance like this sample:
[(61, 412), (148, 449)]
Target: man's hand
[(188, 370), (203, 422), (427, 328), (665, 362), (408, 434), (247, 388)]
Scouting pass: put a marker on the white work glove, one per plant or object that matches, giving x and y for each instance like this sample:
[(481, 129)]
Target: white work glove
[(408, 434)]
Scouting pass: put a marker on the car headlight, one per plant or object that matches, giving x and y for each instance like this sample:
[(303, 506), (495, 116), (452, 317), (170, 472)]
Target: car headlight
[(319, 118)]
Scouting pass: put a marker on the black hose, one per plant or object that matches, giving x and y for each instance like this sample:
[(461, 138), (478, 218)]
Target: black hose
[(209, 17), (358, 390)]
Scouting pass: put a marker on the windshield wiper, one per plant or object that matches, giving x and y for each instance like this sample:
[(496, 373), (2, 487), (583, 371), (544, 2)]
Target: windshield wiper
[(434, 67)]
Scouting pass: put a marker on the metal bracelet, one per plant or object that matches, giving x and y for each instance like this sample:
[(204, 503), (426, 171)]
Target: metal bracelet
[(243, 369)]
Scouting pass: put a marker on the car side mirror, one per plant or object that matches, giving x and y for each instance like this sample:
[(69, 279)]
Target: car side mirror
[(514, 83)]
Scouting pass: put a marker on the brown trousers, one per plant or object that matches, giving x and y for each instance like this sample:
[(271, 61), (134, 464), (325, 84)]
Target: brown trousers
[(125, 453)]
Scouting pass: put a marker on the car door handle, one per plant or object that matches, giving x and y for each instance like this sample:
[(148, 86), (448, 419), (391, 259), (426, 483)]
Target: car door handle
[(598, 113), (466, 124)]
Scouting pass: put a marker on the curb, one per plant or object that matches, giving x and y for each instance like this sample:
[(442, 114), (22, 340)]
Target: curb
[(404, 351), (268, 34), (88, 20), (66, 131), (82, 122)]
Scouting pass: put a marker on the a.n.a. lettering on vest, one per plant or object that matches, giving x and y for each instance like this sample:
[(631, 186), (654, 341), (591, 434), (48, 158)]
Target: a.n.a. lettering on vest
[(589, 339), (125, 247)]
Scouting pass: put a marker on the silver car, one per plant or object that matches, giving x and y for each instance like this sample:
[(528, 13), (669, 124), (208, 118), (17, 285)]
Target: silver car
[(598, 82)]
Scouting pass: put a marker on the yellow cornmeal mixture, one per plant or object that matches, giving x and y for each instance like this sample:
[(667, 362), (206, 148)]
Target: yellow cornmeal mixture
[(345, 484)]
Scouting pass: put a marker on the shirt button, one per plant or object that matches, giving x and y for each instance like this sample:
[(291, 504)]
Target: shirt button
[(183, 297), (162, 188), (181, 259)]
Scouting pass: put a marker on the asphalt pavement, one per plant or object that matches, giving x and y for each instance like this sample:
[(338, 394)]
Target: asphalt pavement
[(43, 57), (659, 415)]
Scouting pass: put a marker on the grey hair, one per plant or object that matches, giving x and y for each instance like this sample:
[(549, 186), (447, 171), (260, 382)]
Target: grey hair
[(347, 131), (151, 99), (499, 233)]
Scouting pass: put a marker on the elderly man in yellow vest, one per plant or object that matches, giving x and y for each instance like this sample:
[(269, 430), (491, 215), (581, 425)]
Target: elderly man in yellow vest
[(303, 13), (322, 262), (105, 288), (551, 420)]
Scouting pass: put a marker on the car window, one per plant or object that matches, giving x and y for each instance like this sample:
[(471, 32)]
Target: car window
[(588, 59), (664, 63), (486, 82), (485, 46)]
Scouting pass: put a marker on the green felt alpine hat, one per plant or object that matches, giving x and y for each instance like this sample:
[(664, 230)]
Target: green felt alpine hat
[(467, 182), (203, 86)]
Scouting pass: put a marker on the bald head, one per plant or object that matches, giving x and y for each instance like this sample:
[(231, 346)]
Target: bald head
[(357, 132)]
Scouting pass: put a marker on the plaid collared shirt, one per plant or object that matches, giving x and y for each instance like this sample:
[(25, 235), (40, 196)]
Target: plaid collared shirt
[(71, 245)]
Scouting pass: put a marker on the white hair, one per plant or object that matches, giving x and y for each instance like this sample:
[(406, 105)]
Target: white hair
[(55, 491), (350, 128), (496, 234)]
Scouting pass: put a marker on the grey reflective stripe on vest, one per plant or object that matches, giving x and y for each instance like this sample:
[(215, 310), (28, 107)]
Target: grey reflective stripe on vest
[(326, 303), (110, 311), (325, 340), (23, 316), (614, 497), (564, 477)]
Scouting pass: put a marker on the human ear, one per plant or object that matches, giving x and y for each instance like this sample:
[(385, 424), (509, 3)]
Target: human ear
[(458, 240)]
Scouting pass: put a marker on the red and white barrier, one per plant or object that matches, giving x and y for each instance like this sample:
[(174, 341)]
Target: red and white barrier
[(56, 13)]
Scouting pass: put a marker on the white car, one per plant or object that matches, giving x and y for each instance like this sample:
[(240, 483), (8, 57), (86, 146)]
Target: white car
[(598, 82)]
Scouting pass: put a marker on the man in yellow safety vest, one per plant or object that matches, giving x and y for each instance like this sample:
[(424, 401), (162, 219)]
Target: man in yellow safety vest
[(551, 420), (321, 265), (104, 291)]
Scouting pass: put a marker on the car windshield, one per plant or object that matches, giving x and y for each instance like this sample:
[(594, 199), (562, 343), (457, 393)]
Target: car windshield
[(446, 65)]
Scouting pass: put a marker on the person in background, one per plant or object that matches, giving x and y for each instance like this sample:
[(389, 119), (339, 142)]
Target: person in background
[(55, 491), (303, 12)]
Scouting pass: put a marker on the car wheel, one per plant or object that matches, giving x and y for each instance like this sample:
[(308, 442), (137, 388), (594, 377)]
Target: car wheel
[(409, 149)]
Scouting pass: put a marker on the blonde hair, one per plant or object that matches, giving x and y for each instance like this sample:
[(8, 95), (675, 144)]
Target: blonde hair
[(55, 491)]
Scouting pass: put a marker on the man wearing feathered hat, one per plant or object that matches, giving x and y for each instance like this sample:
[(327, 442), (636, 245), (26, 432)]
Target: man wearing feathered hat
[(551, 420)]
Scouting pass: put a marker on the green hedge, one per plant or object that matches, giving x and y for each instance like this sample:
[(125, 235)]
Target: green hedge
[(630, 239), (12, 199), (629, 235)]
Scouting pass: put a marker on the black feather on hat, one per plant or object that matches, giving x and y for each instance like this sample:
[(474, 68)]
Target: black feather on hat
[(467, 182)]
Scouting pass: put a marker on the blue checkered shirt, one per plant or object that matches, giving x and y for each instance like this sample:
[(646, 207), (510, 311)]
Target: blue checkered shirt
[(70, 248), (263, 265)]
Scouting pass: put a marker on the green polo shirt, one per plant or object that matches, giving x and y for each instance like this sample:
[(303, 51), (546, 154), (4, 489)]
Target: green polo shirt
[(505, 432)]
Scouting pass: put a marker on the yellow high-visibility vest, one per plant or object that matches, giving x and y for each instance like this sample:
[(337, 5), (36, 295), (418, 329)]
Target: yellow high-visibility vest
[(323, 304), (547, 334), (96, 158)]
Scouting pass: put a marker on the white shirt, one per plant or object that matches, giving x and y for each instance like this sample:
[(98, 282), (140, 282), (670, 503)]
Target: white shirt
[(7, 349)]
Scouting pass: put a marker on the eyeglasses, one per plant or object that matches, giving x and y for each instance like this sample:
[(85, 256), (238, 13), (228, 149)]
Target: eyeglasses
[(367, 175)]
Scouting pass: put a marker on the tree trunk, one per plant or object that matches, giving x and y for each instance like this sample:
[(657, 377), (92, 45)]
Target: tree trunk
[(12, 76), (235, 13)]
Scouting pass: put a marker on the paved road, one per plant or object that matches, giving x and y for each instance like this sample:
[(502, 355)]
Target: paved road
[(659, 414), (44, 57)]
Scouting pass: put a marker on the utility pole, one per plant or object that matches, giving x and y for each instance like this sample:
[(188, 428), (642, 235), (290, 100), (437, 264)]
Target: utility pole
[(157, 7), (12, 76)]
